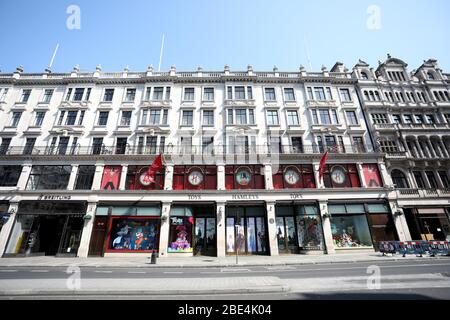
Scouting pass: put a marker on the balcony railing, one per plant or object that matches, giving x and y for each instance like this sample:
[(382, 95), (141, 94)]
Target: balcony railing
[(423, 193), (68, 150)]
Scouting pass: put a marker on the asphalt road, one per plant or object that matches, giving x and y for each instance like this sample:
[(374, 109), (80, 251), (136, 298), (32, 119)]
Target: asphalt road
[(286, 272)]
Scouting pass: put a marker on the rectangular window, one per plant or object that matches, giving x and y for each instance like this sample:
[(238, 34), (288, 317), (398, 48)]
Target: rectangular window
[(272, 117), (29, 146), (3, 95), (144, 117), (379, 118), (109, 94), (324, 116), (292, 116), (345, 95), (431, 179), (249, 93), (351, 117), (319, 93), (229, 116), (208, 117), (130, 95), (39, 118), (167, 93), (126, 118), (69, 93), (239, 93), (241, 116), (397, 118), (419, 118), (329, 95), (269, 94), (165, 116), (430, 118), (407, 118), (147, 93), (158, 93), (49, 177), (78, 96), (88, 94), (188, 94), (121, 145), (15, 118), (5, 145), (61, 117), (444, 178), (97, 144), (334, 116), (103, 118), (81, 118), (150, 144), (419, 179), (25, 95), (85, 177), (155, 115), (289, 94), (187, 118), (208, 94), (310, 93), (229, 92), (314, 116), (251, 115), (71, 117), (9, 175), (48, 93)]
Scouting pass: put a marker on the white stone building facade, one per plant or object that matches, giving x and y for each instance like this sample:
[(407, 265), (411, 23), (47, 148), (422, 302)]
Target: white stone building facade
[(241, 157)]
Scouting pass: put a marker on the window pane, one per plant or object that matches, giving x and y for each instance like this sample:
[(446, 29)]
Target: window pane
[(350, 231)]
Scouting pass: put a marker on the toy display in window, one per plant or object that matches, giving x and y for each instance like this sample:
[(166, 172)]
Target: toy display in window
[(181, 243), (134, 235)]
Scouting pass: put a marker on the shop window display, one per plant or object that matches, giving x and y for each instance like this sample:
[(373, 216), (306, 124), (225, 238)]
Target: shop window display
[(349, 226), (134, 234), (309, 226), (180, 239)]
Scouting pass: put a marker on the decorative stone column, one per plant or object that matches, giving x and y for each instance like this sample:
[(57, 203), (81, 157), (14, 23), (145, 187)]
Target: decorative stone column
[(385, 176), (24, 175), (73, 177), (220, 177), (361, 174), (400, 222), (430, 149), (272, 228), (123, 177), (168, 177), (83, 249), (319, 184), (97, 182), (221, 237), (268, 176), (443, 148), (7, 227), (326, 224), (164, 230), (418, 148)]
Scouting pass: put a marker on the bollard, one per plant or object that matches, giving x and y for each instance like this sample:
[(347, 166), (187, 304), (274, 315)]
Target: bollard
[(153, 258)]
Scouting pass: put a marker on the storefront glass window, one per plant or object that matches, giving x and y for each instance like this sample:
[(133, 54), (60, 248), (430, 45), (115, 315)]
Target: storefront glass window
[(134, 234), (377, 207), (180, 233), (350, 229), (85, 177), (309, 228)]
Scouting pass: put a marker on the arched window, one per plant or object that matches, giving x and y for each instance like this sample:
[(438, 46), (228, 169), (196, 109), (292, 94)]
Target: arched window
[(447, 95), (366, 95), (441, 94), (377, 95), (399, 179), (430, 75), (364, 76), (372, 98)]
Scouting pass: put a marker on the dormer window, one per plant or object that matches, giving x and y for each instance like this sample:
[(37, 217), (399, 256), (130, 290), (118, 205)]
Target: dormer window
[(430, 75), (364, 76)]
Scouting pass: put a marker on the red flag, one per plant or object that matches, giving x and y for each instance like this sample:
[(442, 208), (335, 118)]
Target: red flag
[(322, 164), (156, 166)]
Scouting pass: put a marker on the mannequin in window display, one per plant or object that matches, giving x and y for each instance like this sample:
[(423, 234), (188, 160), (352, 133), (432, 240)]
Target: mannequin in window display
[(240, 240), (262, 241), (230, 243), (122, 240)]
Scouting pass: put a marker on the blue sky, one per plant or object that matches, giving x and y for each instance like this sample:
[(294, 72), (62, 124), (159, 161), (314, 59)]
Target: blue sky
[(216, 32)]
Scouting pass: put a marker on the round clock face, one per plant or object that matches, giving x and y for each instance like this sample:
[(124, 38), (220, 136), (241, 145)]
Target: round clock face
[(338, 175), (291, 176), (195, 178), (145, 179), (243, 177)]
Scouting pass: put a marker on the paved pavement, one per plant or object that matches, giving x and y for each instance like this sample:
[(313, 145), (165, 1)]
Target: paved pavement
[(192, 262)]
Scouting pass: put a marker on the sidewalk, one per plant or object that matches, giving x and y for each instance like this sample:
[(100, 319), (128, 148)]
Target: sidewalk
[(202, 262)]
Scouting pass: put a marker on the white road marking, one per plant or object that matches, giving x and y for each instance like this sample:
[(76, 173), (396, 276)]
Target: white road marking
[(136, 272), (234, 270), (39, 271), (173, 272), (8, 270), (103, 271)]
